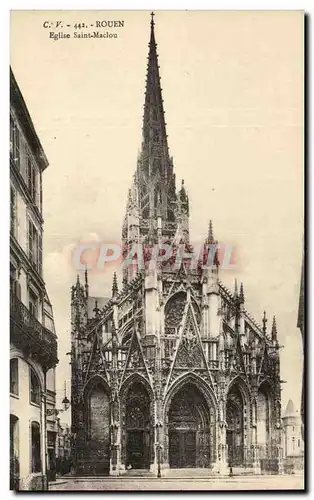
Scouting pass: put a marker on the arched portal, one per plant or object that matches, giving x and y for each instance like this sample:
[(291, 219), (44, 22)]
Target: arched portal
[(138, 428), (189, 429), (235, 427)]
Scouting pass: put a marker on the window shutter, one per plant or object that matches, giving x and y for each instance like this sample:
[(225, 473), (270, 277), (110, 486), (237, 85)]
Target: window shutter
[(28, 229), (11, 138), (40, 253), (29, 173), (17, 147), (18, 290)]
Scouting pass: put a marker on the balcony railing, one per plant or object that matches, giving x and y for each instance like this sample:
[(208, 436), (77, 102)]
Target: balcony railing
[(31, 326)]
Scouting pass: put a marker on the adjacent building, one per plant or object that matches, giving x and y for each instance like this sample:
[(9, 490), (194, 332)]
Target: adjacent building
[(300, 325), (171, 371), (293, 445), (63, 448), (33, 341)]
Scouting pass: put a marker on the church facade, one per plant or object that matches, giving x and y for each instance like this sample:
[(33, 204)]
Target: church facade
[(171, 371)]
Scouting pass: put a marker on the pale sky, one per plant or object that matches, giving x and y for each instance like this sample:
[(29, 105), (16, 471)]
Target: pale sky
[(233, 96)]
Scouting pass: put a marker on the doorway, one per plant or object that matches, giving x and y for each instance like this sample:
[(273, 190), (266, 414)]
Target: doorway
[(182, 449), (135, 449), (138, 439), (189, 429), (235, 432)]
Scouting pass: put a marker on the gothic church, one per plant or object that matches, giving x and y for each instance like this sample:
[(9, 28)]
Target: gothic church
[(172, 371)]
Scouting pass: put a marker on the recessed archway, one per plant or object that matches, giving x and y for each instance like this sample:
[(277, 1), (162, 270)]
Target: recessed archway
[(189, 428), (138, 435), (235, 426), (97, 407), (263, 411)]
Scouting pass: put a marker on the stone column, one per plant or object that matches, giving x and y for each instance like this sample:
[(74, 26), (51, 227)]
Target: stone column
[(279, 448), (255, 451), (221, 464), (115, 452)]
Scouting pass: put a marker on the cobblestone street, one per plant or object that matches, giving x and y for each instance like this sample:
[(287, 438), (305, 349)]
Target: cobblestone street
[(288, 482)]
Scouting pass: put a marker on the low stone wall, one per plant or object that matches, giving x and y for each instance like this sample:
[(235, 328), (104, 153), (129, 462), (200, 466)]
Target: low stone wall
[(293, 464), (269, 466), (33, 482)]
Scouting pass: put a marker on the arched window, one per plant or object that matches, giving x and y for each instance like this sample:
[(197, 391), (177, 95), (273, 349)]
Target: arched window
[(174, 313), (34, 388), (35, 440)]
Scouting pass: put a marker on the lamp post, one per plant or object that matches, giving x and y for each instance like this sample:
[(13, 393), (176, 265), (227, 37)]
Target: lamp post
[(158, 446)]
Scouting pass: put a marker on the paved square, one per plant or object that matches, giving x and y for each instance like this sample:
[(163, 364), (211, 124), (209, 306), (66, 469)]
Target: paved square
[(287, 482)]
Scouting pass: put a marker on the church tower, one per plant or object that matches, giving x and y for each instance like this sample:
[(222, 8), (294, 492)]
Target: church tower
[(171, 371)]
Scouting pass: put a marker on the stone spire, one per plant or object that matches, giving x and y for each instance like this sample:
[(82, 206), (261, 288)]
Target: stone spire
[(154, 119), (155, 177)]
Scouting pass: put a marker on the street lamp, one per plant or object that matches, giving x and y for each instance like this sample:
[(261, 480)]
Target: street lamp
[(158, 446), (66, 403)]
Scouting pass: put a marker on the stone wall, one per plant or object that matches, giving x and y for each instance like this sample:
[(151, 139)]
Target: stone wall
[(34, 482)]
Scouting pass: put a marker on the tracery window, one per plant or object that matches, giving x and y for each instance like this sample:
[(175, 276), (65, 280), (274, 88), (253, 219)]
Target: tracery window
[(174, 313), (135, 418)]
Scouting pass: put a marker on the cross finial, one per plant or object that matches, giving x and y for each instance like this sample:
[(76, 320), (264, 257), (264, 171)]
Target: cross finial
[(152, 20)]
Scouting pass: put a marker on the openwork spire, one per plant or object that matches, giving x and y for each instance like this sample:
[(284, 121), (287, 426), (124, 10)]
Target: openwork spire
[(154, 127), (156, 181)]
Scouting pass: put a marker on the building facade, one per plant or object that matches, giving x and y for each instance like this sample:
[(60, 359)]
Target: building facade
[(63, 448), (33, 341), (171, 371), (300, 325), (293, 445)]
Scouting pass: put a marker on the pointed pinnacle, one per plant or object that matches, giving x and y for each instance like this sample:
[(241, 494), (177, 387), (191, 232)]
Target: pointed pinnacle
[(235, 294), (274, 330), (210, 232), (77, 279), (86, 282), (115, 285), (86, 276), (96, 310), (264, 321), (241, 294)]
